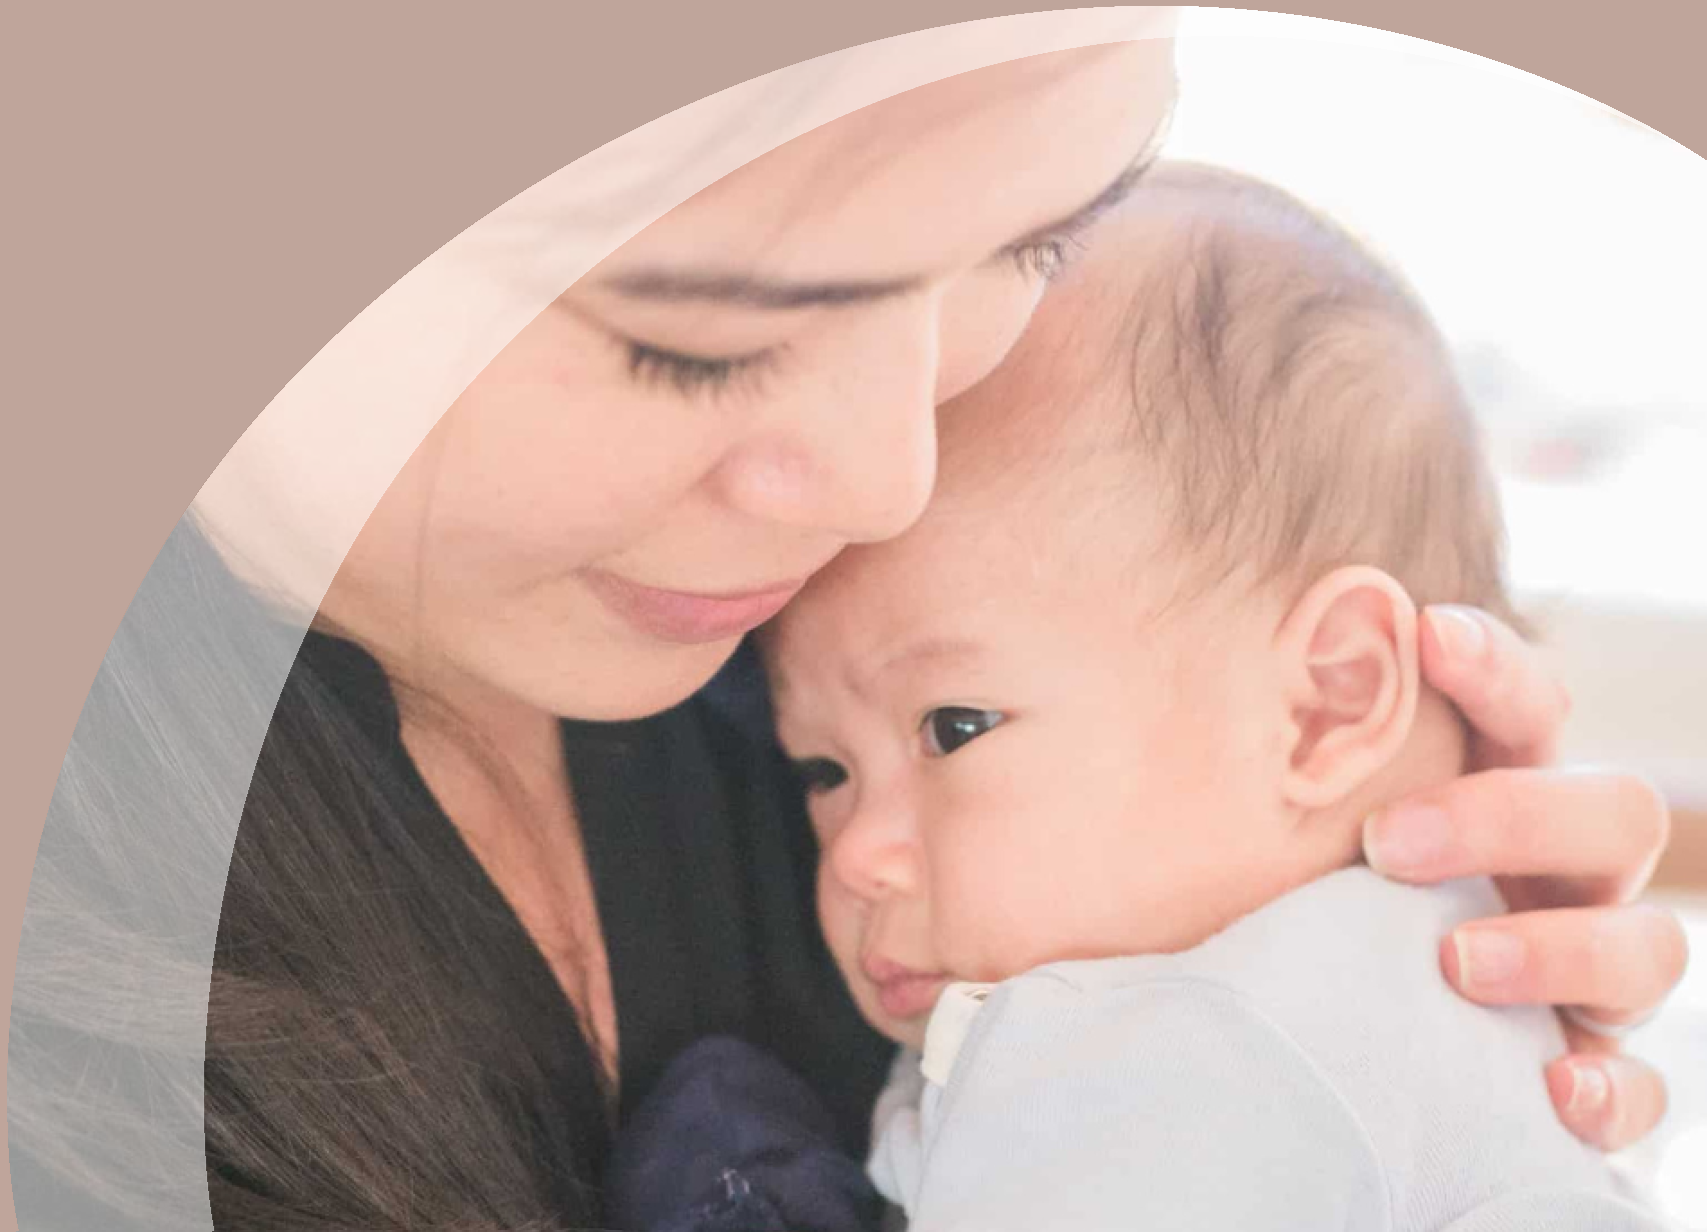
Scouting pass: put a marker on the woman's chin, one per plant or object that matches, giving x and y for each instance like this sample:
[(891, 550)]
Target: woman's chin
[(632, 687)]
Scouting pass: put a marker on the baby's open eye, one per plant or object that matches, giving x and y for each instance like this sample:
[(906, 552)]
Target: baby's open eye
[(948, 728), (817, 775)]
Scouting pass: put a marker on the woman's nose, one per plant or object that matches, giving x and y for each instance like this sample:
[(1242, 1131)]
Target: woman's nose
[(849, 453), (873, 853)]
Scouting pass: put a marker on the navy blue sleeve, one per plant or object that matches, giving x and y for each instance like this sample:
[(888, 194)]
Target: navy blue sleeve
[(731, 1140)]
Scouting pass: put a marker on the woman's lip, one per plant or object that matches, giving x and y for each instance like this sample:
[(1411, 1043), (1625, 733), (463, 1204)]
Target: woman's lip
[(685, 616)]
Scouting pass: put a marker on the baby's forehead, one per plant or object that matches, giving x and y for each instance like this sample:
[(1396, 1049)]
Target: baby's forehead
[(1102, 335), (1067, 528), (1204, 300), (992, 529), (1058, 406), (1051, 434)]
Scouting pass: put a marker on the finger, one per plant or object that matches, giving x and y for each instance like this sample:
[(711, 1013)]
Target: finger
[(1619, 962), (1607, 829), (1585, 1043), (1501, 684), (1609, 1102), (1582, 1023)]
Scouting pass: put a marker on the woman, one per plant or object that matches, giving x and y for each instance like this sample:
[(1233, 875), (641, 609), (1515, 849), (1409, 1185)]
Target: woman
[(465, 924)]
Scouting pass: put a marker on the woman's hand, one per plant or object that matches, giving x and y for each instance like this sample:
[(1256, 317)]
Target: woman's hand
[(1571, 850)]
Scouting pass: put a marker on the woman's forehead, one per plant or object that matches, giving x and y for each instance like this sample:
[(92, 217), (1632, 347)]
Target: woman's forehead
[(924, 181)]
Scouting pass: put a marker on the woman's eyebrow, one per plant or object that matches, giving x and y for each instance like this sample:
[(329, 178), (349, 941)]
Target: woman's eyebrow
[(746, 291)]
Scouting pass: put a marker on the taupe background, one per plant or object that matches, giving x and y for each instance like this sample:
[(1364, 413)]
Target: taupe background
[(200, 197)]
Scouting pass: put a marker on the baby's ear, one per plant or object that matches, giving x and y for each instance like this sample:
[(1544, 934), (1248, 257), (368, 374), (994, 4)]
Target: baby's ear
[(1348, 653)]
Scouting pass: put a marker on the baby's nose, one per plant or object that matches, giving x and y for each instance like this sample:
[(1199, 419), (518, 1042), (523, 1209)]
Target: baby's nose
[(874, 859)]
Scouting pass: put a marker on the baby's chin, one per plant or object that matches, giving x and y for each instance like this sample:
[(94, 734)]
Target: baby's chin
[(907, 1032), (910, 1034)]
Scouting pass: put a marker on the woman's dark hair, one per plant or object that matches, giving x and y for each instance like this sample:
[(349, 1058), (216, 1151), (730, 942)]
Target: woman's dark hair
[(340, 1092)]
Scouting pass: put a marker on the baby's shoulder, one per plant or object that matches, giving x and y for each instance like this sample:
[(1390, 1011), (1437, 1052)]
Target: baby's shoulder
[(1351, 945), (1370, 944), (1349, 967), (1450, 1092)]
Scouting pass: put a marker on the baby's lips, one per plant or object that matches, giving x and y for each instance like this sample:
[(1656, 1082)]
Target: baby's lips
[(883, 970), (912, 995)]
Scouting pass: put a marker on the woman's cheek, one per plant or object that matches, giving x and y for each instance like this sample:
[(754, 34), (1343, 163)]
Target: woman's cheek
[(561, 395), (513, 450), (983, 315)]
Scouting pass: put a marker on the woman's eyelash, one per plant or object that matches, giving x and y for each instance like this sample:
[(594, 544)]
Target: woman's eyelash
[(691, 374), (1045, 258)]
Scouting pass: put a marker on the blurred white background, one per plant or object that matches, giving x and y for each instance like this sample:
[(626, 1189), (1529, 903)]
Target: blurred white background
[(1563, 248)]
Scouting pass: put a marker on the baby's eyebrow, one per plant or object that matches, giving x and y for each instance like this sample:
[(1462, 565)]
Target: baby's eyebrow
[(916, 653)]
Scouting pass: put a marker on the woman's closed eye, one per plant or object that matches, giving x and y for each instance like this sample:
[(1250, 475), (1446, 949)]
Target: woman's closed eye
[(818, 775), (690, 375), (948, 728)]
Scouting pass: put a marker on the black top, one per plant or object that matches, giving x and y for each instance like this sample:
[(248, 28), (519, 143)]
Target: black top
[(703, 865)]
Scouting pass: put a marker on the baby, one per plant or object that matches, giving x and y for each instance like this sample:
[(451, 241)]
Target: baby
[(1088, 751)]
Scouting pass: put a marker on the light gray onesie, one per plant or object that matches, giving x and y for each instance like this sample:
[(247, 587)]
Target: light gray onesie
[(1306, 1069)]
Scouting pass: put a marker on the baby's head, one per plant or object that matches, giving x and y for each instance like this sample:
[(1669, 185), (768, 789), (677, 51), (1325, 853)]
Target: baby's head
[(1150, 656)]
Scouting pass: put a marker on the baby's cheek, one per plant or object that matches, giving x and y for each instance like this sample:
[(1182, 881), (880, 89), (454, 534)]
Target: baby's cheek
[(998, 926), (837, 922), (987, 923)]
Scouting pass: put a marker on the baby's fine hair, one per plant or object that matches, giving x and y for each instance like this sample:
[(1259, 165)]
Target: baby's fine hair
[(1300, 406)]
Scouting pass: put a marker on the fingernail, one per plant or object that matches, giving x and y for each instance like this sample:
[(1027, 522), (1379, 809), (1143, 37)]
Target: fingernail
[(1590, 1089), (1487, 957), (1462, 635), (1409, 838)]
